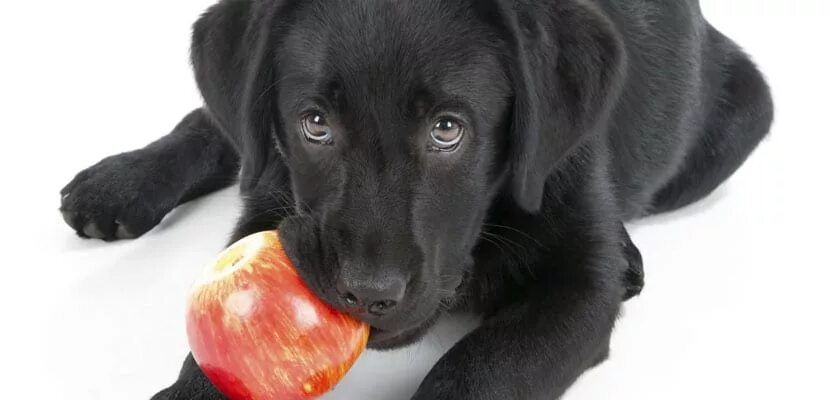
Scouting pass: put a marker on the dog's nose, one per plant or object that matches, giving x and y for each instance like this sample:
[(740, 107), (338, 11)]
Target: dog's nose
[(377, 294)]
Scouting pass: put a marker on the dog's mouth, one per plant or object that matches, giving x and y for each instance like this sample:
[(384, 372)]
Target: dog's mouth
[(380, 339)]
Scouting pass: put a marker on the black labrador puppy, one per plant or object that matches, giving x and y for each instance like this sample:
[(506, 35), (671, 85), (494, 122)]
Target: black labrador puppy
[(434, 155)]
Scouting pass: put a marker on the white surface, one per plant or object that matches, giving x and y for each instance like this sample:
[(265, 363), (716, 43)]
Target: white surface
[(735, 304)]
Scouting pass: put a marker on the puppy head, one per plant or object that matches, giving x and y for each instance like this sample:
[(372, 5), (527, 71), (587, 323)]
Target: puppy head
[(393, 117), (397, 123)]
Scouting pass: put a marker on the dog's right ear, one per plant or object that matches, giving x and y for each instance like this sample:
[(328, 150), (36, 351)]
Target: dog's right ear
[(233, 59), (567, 65)]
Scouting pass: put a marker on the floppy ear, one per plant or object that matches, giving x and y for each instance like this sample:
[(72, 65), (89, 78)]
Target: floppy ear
[(567, 69), (233, 59)]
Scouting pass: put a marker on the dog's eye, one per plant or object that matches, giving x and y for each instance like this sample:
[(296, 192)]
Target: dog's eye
[(446, 135), (316, 129)]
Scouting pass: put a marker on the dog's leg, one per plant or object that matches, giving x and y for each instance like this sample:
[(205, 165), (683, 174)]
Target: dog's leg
[(126, 195), (537, 346), (736, 124), (192, 385)]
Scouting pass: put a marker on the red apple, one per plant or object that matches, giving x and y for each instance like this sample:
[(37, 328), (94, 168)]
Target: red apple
[(259, 333)]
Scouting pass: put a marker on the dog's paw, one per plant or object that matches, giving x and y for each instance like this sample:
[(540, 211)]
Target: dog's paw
[(191, 385), (118, 198), (174, 394), (166, 394), (634, 275)]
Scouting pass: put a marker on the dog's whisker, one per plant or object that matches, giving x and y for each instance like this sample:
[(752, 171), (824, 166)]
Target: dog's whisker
[(513, 229), (494, 243), (519, 257), (509, 247), (507, 241)]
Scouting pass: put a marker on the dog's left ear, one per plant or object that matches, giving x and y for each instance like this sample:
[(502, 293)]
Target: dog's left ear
[(234, 57), (567, 70)]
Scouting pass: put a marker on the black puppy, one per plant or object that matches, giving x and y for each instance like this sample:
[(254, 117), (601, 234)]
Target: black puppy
[(424, 156)]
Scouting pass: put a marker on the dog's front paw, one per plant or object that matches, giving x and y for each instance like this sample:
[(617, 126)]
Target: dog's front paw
[(178, 393), (119, 198), (191, 385), (174, 393), (635, 279)]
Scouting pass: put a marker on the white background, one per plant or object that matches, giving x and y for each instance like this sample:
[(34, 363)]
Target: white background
[(736, 304)]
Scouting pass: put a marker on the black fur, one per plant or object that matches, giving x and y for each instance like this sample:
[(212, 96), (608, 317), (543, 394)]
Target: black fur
[(580, 115)]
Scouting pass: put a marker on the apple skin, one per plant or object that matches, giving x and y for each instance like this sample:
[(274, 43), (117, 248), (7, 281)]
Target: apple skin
[(259, 333)]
